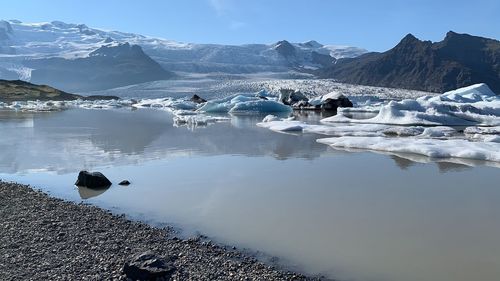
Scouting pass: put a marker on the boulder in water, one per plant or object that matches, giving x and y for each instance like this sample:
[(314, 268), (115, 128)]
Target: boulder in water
[(92, 180), (198, 99)]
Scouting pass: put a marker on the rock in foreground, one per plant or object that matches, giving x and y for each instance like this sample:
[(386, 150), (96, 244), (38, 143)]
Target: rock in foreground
[(92, 180), (148, 266)]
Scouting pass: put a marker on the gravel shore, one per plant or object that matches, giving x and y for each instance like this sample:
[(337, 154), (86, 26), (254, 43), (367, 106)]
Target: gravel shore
[(44, 238)]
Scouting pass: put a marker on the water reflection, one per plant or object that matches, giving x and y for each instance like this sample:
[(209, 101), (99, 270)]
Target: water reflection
[(77, 139), (87, 193)]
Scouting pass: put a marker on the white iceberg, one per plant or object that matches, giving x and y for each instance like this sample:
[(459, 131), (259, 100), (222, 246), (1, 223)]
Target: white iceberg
[(473, 105), (198, 120), (367, 130), (283, 126), (439, 132), (244, 104), (483, 130), (270, 118), (321, 99)]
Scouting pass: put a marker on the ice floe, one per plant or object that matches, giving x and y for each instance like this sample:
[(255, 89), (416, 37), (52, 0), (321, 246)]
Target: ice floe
[(197, 120), (460, 148)]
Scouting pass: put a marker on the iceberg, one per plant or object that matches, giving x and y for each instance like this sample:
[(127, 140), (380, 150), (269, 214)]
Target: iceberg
[(283, 126), (244, 104), (197, 120), (473, 105)]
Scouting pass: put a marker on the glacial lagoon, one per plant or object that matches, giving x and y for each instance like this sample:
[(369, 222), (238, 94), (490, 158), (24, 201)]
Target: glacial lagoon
[(342, 214)]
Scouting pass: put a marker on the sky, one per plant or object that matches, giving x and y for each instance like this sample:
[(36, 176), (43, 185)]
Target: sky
[(373, 25)]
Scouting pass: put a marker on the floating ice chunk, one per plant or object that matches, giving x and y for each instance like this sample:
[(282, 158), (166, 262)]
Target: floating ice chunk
[(283, 126), (211, 106), (439, 132), (483, 130), (434, 148), (260, 106), (181, 104), (174, 104), (184, 112), (403, 131), (349, 130), (270, 118), (198, 120), (244, 103)]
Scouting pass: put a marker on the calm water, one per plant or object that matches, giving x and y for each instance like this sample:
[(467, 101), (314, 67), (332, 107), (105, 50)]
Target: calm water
[(350, 216)]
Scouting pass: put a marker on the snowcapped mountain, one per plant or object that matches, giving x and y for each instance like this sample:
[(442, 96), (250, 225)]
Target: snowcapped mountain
[(21, 43)]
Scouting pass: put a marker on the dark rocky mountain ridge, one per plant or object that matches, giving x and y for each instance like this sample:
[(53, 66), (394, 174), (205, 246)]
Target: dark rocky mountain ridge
[(457, 61), (18, 90)]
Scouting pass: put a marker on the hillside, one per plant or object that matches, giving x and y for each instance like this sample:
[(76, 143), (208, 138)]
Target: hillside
[(17, 90), (457, 61)]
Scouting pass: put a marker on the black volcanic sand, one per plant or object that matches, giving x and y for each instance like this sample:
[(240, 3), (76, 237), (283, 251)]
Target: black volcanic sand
[(44, 238)]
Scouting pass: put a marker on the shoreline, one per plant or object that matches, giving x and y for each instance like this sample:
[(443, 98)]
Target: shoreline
[(45, 238)]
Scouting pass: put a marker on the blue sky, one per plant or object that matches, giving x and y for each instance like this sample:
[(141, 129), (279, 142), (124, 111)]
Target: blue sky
[(374, 25)]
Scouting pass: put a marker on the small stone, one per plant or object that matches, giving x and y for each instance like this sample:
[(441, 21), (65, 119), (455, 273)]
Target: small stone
[(148, 266), (124, 182)]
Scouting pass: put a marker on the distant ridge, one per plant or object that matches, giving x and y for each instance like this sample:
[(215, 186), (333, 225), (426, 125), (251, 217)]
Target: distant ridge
[(457, 61), (17, 90)]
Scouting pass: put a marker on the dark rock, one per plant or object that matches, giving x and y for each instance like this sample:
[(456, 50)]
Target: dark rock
[(124, 182), (100, 97), (333, 104), (92, 180), (148, 266), (198, 99)]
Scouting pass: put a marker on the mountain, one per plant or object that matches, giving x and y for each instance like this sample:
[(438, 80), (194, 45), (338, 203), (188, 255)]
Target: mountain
[(457, 61), (22, 42), (110, 66), (18, 90)]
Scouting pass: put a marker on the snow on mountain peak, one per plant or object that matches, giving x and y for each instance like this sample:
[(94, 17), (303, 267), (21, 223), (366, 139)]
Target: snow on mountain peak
[(72, 41)]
